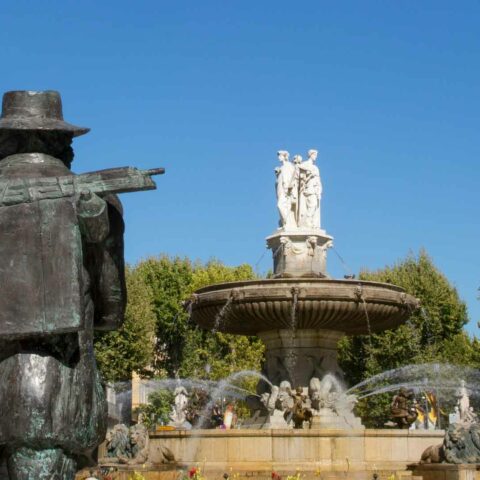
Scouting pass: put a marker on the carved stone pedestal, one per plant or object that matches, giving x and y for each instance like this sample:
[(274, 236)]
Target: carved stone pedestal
[(300, 356), (300, 252), (445, 471), (297, 356)]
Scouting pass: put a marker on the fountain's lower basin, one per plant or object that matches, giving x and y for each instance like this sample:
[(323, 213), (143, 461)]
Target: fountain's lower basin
[(247, 454), (348, 306)]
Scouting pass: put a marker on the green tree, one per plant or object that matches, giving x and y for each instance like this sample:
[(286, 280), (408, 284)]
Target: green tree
[(158, 409), (132, 347), (158, 338), (170, 280), (433, 333), (182, 348), (216, 355)]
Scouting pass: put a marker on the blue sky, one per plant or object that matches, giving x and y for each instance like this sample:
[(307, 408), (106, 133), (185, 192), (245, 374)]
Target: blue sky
[(387, 91)]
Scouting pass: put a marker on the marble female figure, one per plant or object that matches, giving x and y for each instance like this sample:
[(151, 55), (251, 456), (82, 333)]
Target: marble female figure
[(310, 192), (286, 190)]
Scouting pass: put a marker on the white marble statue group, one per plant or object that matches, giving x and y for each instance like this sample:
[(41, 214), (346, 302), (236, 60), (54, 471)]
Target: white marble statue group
[(299, 190), (324, 402)]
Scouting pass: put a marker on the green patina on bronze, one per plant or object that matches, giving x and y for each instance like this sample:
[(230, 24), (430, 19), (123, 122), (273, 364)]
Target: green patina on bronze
[(61, 277)]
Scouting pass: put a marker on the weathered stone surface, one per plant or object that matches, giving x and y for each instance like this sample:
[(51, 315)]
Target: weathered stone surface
[(445, 471), (300, 357), (300, 253), (336, 305), (328, 451)]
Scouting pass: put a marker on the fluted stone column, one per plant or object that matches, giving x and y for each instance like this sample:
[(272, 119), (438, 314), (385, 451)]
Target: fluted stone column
[(299, 355)]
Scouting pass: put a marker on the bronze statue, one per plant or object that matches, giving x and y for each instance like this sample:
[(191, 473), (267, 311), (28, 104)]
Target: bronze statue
[(61, 277), (299, 412), (402, 408)]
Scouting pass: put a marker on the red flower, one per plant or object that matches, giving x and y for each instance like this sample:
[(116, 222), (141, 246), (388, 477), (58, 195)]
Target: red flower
[(276, 476), (192, 472)]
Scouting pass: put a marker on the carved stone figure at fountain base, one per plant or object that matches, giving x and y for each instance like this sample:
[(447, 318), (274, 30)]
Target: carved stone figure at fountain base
[(178, 415), (287, 410), (307, 360), (328, 419), (265, 420), (270, 408), (404, 409), (128, 446)]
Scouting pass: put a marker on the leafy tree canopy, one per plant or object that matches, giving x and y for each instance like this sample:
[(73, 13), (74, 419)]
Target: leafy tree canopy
[(166, 342), (434, 333), (132, 347), (438, 322)]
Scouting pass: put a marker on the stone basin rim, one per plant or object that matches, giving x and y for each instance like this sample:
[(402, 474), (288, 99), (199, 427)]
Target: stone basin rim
[(254, 306), (298, 280)]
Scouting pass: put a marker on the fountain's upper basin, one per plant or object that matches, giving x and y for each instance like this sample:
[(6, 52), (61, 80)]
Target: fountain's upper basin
[(256, 306)]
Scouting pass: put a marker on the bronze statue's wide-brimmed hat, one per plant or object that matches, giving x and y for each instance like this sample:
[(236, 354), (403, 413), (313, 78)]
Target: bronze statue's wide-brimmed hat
[(28, 110)]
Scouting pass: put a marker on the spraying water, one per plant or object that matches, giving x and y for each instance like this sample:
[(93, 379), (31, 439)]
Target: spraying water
[(442, 378), (215, 395), (222, 314)]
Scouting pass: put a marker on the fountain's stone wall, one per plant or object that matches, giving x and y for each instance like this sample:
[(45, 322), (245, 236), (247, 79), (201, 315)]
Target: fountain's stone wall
[(325, 454), (354, 451)]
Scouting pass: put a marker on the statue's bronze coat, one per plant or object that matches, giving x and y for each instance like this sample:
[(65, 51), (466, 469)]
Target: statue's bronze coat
[(61, 277)]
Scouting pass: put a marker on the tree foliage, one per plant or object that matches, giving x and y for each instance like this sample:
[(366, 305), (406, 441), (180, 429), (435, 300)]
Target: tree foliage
[(158, 408), (182, 348), (434, 333), (132, 347), (158, 337), (170, 280)]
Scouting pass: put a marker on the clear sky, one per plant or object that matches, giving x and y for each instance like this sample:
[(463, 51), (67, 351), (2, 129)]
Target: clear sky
[(387, 91)]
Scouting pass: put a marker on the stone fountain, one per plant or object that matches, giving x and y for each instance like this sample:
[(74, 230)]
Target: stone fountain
[(301, 313)]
